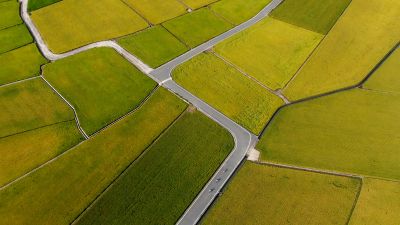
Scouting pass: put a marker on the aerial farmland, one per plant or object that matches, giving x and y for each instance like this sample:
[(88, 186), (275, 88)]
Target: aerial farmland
[(199, 112)]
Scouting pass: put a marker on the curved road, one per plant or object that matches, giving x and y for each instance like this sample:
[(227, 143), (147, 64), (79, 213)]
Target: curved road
[(244, 140)]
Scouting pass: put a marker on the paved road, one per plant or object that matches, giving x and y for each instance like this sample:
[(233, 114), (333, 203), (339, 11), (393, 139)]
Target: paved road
[(244, 140)]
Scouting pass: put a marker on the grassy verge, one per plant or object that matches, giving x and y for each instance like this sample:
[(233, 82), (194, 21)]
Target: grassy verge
[(9, 14), (359, 40), (59, 191), (161, 185), (197, 27), (154, 46), (29, 105), (229, 91), (100, 84), (315, 15), (355, 131), (379, 203), (79, 22), (157, 11), (271, 51), (23, 152), (238, 11), (10, 64), (14, 37), (261, 194), (37, 4), (386, 78), (195, 4)]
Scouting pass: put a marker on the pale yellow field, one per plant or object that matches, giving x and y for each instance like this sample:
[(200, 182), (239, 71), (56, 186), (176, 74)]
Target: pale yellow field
[(359, 40), (71, 24)]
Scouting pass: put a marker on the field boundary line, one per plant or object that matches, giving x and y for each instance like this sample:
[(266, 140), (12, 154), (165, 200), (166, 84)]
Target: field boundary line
[(237, 68), (308, 169), (177, 38), (150, 24), (141, 103), (124, 171), (355, 202), (16, 48), (71, 106), (19, 81)]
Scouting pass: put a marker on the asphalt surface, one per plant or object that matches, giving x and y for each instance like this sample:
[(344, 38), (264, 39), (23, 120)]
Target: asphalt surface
[(244, 140)]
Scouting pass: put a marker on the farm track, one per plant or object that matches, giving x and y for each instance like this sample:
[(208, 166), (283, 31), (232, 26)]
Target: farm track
[(244, 140)]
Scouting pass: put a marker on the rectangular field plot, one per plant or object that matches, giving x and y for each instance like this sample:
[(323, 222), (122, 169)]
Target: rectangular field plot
[(155, 46), (80, 22), (270, 51), (194, 4), (100, 84), (58, 192), (355, 131), (20, 153), (238, 11), (29, 105), (386, 78), (359, 40), (37, 4), (379, 203), (9, 14), (161, 185), (157, 11), (20, 63), (315, 15), (14, 37), (197, 27), (261, 194), (229, 91)]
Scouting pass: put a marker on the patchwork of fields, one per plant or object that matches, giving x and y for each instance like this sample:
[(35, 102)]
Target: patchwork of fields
[(91, 139)]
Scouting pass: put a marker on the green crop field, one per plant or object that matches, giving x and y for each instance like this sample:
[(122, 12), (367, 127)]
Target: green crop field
[(386, 78), (14, 37), (157, 11), (261, 194), (379, 203), (359, 40), (37, 4), (100, 84), (197, 27), (155, 46), (58, 192), (10, 64), (354, 131), (315, 15), (270, 51), (20, 153), (238, 11), (9, 14), (80, 22), (168, 176), (195, 4), (229, 91), (29, 105)]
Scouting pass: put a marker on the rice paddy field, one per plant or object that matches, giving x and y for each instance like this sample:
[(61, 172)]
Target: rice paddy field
[(9, 14), (29, 105), (10, 64), (228, 90), (378, 203), (271, 51), (83, 172), (37, 4), (14, 37), (157, 11), (336, 133), (79, 22), (238, 11), (100, 84), (197, 27), (167, 177), (164, 46), (362, 36), (261, 194)]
